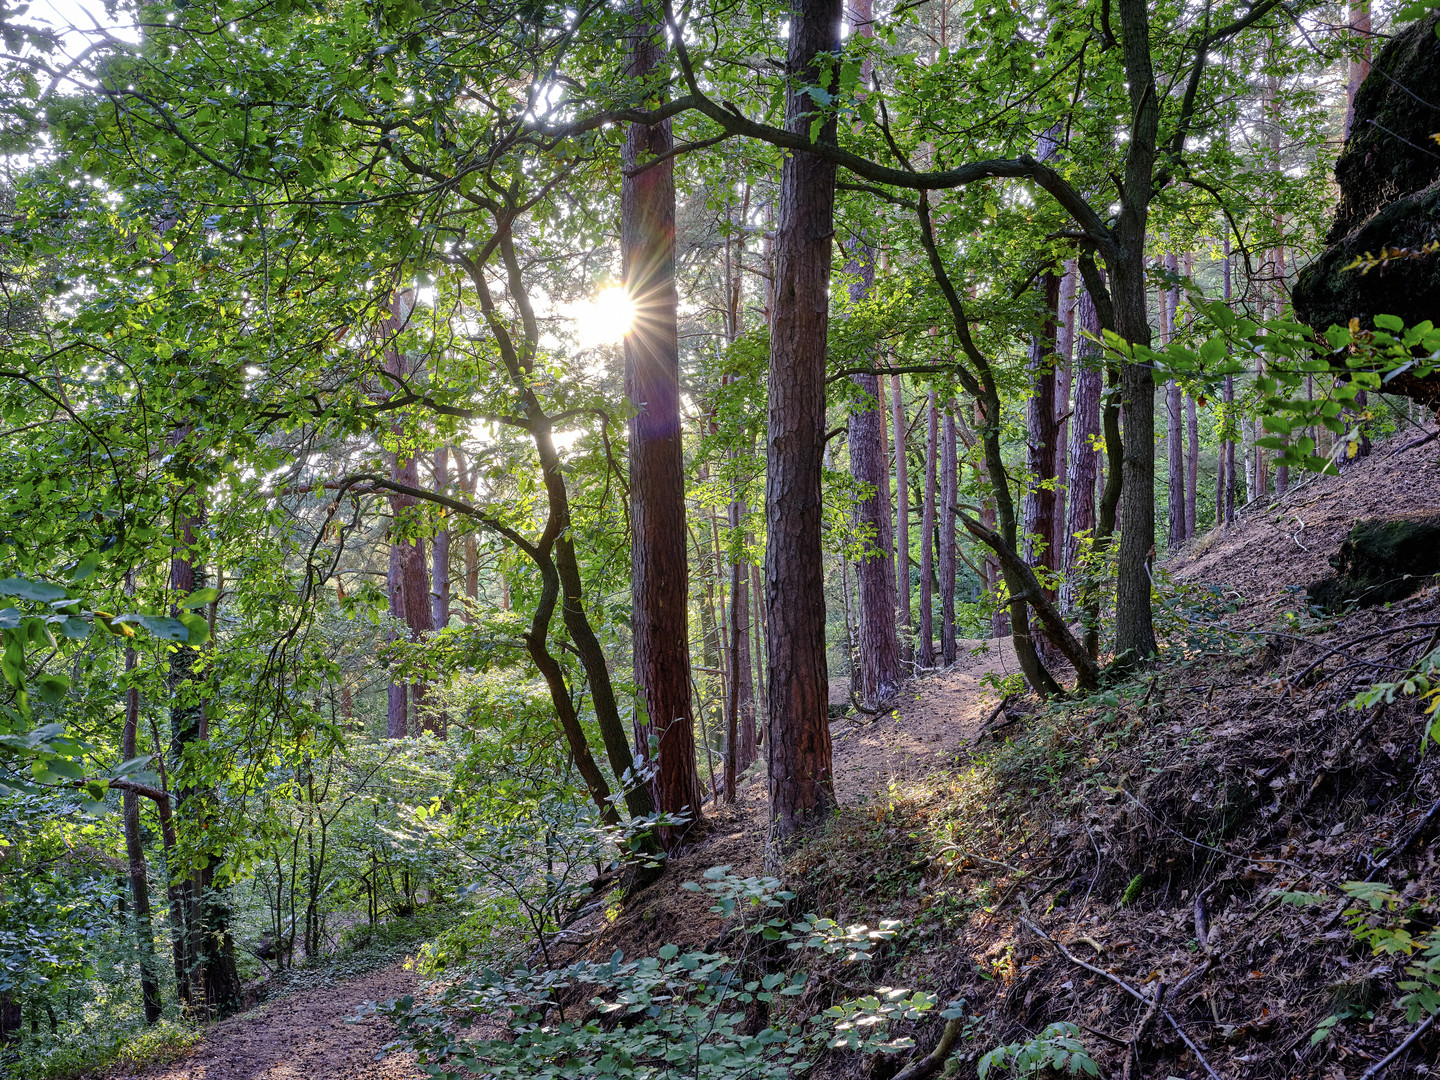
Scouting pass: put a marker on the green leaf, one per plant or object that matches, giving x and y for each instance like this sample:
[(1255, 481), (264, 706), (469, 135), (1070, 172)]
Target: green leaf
[(1389, 322), (41, 592), (85, 567), (199, 598)]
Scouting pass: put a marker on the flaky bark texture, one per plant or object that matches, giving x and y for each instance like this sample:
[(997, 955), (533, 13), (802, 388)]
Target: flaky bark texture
[(659, 582), (797, 743)]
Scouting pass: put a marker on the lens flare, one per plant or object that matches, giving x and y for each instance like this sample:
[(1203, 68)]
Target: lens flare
[(605, 318)]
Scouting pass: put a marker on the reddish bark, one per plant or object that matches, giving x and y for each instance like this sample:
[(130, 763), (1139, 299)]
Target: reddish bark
[(797, 743), (902, 520)]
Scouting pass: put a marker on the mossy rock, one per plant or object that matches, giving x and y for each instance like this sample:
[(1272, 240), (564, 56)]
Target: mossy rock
[(1381, 561)]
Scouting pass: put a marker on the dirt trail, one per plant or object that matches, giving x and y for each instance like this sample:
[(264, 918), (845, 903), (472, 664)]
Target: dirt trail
[(304, 1036)]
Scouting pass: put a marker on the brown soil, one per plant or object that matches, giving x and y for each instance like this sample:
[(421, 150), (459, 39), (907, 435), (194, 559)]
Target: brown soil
[(304, 1036)]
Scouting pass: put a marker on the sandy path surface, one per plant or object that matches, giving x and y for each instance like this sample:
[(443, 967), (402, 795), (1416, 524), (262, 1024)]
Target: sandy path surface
[(304, 1036)]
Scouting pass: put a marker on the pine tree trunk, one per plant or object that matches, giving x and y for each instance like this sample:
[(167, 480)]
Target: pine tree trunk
[(1359, 63), (879, 652), (925, 657), (1038, 509), (659, 585), (798, 749), (949, 496), (902, 521)]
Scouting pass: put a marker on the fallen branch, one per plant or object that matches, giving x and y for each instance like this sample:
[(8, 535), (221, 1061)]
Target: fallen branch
[(1123, 985), (931, 1062), (1374, 1070)]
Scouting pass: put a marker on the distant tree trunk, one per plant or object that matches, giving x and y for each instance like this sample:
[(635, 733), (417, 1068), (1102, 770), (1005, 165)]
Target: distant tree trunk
[(797, 743), (135, 854), (1174, 415), (659, 585), (1064, 367), (742, 693), (902, 521), (1230, 419), (440, 552), (879, 652), (465, 476), (1084, 454), (926, 655), (1192, 465), (757, 621), (1359, 64), (396, 719), (949, 496), (1038, 508)]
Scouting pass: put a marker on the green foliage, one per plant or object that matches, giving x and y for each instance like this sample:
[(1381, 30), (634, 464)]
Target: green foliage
[(672, 1011), (1057, 1048), (1422, 682)]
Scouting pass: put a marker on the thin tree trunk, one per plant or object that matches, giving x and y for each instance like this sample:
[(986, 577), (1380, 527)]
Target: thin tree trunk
[(440, 551), (135, 853), (1359, 63), (949, 497), (1064, 368), (798, 747), (926, 655), (902, 521), (1084, 454), (1192, 465), (1175, 417)]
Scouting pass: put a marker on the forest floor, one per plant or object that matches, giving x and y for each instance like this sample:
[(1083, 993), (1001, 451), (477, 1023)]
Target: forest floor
[(304, 1035), (1150, 830)]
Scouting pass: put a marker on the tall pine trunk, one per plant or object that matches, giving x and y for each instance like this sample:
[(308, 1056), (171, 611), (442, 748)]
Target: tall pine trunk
[(1174, 416), (659, 585), (798, 748)]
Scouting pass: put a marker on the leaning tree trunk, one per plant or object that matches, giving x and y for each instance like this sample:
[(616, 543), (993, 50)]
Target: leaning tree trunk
[(659, 574), (797, 743), (926, 655)]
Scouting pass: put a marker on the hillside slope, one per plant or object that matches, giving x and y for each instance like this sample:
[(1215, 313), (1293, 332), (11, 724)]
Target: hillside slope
[(1149, 831)]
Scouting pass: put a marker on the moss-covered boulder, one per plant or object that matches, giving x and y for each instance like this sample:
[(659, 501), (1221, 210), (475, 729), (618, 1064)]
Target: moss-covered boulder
[(1382, 560), (1389, 177)]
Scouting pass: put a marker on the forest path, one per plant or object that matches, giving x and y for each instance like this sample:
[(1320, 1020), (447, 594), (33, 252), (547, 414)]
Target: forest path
[(304, 1036)]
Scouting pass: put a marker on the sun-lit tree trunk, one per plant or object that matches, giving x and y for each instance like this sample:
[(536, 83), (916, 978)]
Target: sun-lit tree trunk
[(659, 584), (1083, 454), (925, 657), (797, 743), (902, 520), (466, 478), (949, 496)]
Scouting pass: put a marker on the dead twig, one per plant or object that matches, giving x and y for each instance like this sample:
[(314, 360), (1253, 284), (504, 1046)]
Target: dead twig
[(1123, 985), (1132, 1057), (1374, 1070)]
